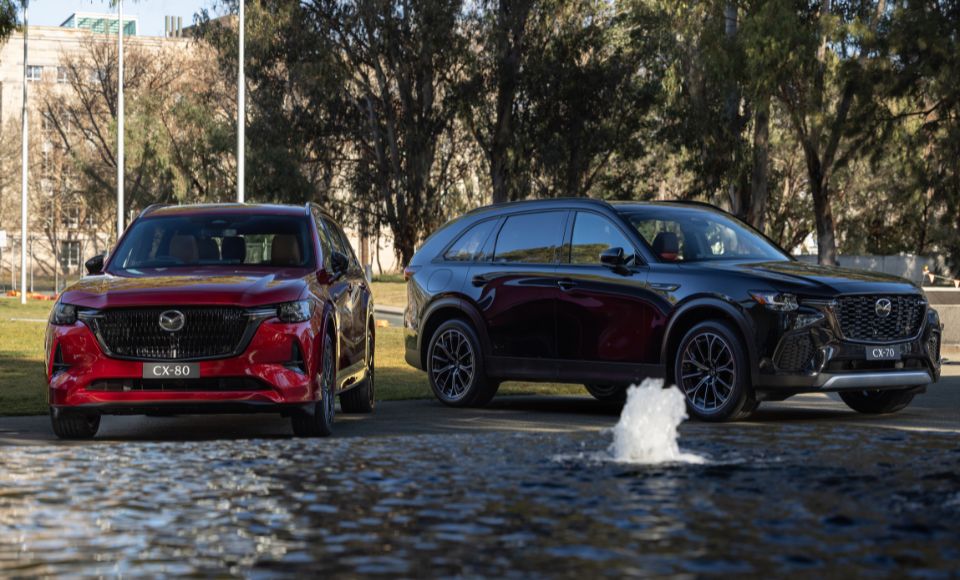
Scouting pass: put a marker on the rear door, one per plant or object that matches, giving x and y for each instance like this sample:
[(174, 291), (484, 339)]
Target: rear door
[(515, 287)]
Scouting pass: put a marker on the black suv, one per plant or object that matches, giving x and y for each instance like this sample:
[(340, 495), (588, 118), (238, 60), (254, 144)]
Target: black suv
[(606, 294)]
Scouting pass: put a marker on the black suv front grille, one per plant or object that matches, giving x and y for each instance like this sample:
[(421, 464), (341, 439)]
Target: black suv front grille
[(861, 319), (207, 332)]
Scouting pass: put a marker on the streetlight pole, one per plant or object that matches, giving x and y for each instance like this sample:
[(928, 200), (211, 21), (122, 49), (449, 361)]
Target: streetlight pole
[(120, 156), (24, 159), (241, 112)]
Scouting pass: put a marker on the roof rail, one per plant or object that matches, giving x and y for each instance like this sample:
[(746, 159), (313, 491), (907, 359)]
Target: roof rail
[(693, 202), (152, 207), (568, 199)]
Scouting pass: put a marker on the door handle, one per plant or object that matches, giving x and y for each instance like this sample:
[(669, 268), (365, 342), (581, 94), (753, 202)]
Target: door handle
[(664, 286), (566, 284), (479, 280)]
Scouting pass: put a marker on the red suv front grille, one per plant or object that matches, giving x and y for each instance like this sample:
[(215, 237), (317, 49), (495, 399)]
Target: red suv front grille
[(207, 332)]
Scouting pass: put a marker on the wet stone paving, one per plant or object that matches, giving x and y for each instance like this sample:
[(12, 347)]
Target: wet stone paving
[(770, 500)]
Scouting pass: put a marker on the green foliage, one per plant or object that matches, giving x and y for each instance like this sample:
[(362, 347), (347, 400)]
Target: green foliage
[(839, 118), (8, 18)]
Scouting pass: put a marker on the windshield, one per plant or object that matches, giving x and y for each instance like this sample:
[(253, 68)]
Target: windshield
[(684, 234), (217, 241)]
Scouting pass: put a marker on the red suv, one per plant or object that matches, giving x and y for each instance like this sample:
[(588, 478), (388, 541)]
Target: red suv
[(215, 309)]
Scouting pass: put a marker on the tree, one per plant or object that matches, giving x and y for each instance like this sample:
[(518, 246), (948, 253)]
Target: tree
[(82, 120), (924, 41), (296, 105), (718, 112), (591, 79), (827, 61), (403, 60), (8, 18), (499, 30)]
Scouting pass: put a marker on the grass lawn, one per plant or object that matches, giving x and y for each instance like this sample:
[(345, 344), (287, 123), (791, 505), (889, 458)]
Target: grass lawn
[(23, 386), (22, 381), (389, 293)]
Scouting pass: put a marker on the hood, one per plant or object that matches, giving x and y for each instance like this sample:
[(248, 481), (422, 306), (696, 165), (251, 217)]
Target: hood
[(156, 287), (814, 280)]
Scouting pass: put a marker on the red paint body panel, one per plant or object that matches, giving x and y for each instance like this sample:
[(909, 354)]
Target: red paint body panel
[(263, 359)]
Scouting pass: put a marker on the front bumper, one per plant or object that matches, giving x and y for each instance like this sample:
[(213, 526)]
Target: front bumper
[(81, 375), (817, 358)]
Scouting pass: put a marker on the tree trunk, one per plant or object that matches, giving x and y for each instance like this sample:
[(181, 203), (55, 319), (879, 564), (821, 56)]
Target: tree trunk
[(511, 25), (760, 179), (735, 190), (826, 239)]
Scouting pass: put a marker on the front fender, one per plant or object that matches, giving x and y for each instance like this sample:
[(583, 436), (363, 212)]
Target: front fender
[(707, 304)]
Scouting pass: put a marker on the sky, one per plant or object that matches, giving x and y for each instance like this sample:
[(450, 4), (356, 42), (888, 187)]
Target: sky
[(149, 13)]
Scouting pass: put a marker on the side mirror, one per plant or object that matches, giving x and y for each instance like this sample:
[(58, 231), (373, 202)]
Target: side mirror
[(94, 265), (339, 263), (613, 257)]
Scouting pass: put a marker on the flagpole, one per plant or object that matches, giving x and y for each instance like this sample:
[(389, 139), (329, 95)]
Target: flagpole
[(241, 110), (25, 167), (120, 134)]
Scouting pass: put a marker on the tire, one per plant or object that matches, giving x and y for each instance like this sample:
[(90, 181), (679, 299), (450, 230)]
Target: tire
[(711, 368), (608, 393), (455, 366), (318, 421), (74, 425), (362, 398), (877, 402)]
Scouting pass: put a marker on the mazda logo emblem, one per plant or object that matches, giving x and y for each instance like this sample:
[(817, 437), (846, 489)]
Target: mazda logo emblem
[(172, 320), (883, 307)]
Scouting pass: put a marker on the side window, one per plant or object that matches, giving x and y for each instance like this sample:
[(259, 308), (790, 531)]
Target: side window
[(665, 237), (530, 238), (326, 244), (336, 242), (470, 244), (342, 243), (593, 234)]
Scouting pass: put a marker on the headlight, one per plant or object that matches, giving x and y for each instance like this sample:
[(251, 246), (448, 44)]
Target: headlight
[(63, 314), (298, 311), (779, 301)]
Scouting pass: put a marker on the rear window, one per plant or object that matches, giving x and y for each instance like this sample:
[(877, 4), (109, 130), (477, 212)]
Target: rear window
[(468, 247), (530, 238), (216, 241)]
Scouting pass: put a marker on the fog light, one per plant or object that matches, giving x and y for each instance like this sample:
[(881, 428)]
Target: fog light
[(803, 320)]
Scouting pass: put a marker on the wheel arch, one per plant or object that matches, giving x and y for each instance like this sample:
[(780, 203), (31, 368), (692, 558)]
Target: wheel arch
[(330, 326), (442, 310), (702, 310)]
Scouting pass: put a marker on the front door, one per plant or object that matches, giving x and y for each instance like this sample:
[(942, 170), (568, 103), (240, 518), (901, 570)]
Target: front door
[(608, 322)]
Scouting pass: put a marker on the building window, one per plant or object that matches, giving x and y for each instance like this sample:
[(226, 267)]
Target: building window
[(34, 73), (70, 254), (70, 217), (63, 74)]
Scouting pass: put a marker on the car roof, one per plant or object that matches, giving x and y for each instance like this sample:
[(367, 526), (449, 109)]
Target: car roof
[(231, 208), (586, 202)]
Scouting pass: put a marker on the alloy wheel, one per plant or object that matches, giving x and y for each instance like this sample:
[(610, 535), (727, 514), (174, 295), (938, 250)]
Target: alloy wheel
[(708, 372), (452, 364)]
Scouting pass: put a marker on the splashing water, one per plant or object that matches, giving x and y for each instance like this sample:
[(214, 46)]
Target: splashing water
[(647, 430)]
